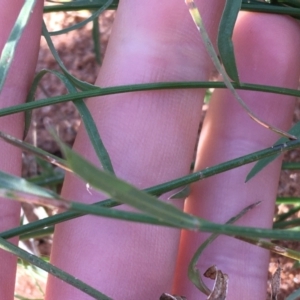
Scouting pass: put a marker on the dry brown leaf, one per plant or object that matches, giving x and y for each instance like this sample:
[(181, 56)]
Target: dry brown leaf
[(166, 296), (219, 291), (275, 283)]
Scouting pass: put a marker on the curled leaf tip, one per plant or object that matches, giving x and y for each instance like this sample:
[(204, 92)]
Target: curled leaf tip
[(219, 291), (166, 296), (275, 282)]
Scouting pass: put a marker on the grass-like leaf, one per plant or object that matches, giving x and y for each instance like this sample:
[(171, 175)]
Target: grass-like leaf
[(86, 117), (96, 91), (34, 150), (290, 166), (225, 44), (97, 40), (126, 193), (161, 189), (94, 16), (80, 207), (36, 261), (288, 200), (294, 296), (287, 224), (80, 5), (258, 6), (295, 130), (10, 46), (247, 5), (15, 183), (193, 271), (289, 213), (213, 55), (78, 83), (182, 193)]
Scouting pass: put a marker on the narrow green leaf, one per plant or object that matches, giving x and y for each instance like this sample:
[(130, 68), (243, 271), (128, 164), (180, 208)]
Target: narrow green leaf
[(53, 180), (291, 224), (94, 136), (34, 150), (247, 5), (78, 83), (193, 272), (267, 8), (30, 98), (288, 200), (97, 40), (294, 296), (290, 166), (157, 190), (181, 194), (15, 183), (225, 44), (289, 213), (79, 5), (86, 117), (40, 263), (126, 193), (90, 126), (80, 207), (10, 47), (196, 16), (295, 130), (37, 234), (94, 16), (96, 91)]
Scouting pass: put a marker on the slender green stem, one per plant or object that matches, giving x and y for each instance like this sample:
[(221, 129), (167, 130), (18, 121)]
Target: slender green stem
[(48, 180), (193, 272), (38, 233), (273, 9), (160, 189), (95, 92), (9, 49), (195, 13), (284, 216), (290, 166), (271, 247), (288, 200), (38, 262), (80, 6), (285, 224), (255, 7)]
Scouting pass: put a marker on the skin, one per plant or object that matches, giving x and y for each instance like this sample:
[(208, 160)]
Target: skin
[(149, 129), (151, 138), (14, 92), (263, 58)]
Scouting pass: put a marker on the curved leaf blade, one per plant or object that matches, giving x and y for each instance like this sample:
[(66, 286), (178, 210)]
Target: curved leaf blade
[(15, 183), (91, 18), (225, 44), (125, 193), (85, 114), (295, 130), (294, 296), (9, 49)]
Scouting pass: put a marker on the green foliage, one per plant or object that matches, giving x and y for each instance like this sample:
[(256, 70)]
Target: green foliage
[(225, 44), (295, 130), (9, 49), (151, 210)]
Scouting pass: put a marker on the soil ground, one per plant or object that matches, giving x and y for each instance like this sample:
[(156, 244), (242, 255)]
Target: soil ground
[(76, 50)]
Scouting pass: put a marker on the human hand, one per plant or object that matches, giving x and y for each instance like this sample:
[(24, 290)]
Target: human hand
[(151, 137)]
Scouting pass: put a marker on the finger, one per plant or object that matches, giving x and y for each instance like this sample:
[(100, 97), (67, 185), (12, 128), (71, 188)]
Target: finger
[(150, 137), (14, 92), (266, 48)]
